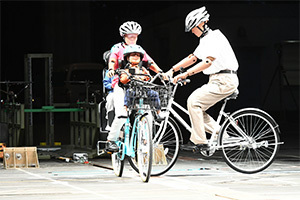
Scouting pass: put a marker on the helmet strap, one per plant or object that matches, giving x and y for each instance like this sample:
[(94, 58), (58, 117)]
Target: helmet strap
[(205, 30), (124, 40), (200, 29)]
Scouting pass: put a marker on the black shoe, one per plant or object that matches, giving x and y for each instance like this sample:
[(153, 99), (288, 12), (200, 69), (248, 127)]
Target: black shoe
[(188, 147), (111, 146), (194, 147), (201, 147)]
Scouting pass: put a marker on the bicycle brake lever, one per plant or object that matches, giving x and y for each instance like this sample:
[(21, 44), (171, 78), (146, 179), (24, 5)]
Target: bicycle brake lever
[(183, 81)]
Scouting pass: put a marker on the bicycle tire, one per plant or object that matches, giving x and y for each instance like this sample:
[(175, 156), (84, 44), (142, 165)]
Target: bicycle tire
[(257, 153), (117, 163), (144, 148), (171, 145)]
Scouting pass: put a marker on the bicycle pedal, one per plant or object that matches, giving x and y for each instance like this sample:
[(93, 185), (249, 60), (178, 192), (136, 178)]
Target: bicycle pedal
[(196, 150)]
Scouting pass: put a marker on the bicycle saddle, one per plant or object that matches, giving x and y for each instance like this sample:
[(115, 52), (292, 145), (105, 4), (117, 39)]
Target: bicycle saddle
[(234, 95)]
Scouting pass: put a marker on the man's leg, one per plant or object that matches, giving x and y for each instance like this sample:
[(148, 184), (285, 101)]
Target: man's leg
[(196, 117), (200, 100)]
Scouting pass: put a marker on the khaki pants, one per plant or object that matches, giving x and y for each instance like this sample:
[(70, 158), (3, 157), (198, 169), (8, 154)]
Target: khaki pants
[(218, 87)]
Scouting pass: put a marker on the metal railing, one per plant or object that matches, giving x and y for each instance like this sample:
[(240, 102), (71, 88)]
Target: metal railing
[(85, 126), (12, 115)]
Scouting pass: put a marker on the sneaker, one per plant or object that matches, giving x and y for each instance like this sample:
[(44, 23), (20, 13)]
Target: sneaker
[(111, 146)]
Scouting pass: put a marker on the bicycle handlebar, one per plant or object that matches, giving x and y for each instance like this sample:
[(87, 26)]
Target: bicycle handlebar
[(152, 79)]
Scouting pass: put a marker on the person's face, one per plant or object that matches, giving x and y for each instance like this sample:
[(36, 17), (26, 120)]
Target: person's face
[(131, 38), (196, 30), (134, 58)]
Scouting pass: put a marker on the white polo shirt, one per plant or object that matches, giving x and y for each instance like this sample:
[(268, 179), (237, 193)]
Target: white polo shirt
[(216, 45)]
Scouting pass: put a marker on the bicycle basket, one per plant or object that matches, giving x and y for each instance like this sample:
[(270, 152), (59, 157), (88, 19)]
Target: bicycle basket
[(165, 93), (140, 96)]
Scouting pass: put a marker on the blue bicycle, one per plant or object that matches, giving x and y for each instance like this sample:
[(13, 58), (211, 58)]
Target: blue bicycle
[(135, 140)]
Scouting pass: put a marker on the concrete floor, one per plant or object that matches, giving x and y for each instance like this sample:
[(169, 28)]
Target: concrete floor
[(191, 178)]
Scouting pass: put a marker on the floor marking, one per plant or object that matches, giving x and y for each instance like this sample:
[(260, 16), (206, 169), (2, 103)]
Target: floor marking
[(66, 184), (209, 190)]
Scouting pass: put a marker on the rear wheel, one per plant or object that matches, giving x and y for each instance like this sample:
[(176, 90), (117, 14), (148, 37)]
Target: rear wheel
[(118, 162), (255, 152)]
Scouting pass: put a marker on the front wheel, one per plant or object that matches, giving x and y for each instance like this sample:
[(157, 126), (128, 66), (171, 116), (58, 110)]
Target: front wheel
[(166, 141), (166, 144), (249, 140), (144, 148)]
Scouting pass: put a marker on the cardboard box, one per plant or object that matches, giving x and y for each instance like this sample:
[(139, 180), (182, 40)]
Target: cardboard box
[(20, 157)]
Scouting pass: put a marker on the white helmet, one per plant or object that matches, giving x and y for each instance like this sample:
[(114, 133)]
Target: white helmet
[(195, 17), (130, 27), (134, 48)]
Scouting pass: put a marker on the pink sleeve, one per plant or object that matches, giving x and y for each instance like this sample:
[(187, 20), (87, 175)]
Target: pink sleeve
[(147, 58), (117, 53), (115, 81)]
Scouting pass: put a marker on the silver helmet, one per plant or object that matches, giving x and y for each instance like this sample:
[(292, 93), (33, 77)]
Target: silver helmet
[(130, 27), (195, 17)]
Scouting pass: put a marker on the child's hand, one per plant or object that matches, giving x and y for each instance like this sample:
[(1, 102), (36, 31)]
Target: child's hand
[(111, 73)]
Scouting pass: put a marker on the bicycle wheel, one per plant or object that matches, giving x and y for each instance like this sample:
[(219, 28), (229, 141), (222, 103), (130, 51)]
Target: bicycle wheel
[(117, 162), (144, 148), (165, 148), (254, 151)]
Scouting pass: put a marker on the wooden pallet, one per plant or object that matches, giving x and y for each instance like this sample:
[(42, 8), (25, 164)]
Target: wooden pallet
[(20, 157)]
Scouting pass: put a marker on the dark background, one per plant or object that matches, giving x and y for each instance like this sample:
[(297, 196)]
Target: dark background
[(78, 31)]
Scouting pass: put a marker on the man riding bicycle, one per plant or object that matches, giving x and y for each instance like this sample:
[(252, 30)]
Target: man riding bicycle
[(217, 60)]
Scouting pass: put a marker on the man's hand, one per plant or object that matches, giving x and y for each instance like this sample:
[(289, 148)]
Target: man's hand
[(180, 76), (111, 73)]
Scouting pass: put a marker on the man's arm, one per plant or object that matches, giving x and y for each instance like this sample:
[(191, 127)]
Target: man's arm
[(186, 62), (195, 69)]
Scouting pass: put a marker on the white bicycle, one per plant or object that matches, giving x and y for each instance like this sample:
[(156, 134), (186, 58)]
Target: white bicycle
[(248, 138)]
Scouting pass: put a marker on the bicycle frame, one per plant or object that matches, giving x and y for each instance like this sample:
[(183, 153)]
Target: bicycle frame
[(129, 143), (222, 114)]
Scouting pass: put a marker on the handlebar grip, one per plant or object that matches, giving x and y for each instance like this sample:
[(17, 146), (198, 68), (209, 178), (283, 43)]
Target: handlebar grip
[(181, 81), (187, 80)]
